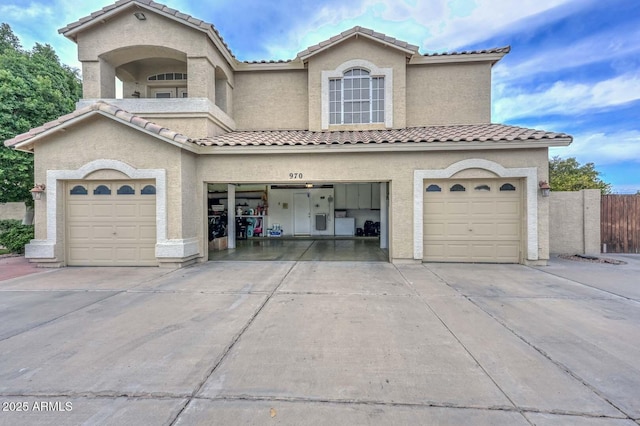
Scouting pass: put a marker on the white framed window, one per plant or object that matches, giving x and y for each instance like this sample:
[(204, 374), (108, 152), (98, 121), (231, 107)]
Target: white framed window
[(357, 92), (357, 97)]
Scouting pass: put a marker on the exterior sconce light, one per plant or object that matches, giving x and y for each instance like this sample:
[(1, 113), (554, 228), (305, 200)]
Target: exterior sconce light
[(37, 191), (545, 189), (140, 16)]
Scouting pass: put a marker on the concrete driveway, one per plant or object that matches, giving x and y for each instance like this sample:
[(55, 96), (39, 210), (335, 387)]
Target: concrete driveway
[(323, 343)]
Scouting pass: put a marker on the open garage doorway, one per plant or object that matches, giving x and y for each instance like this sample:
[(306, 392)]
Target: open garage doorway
[(310, 221)]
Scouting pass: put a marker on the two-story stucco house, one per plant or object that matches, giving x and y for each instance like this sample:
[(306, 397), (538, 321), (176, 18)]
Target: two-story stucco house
[(361, 125)]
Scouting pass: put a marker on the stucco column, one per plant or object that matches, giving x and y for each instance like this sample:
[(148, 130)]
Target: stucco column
[(231, 215), (384, 217), (202, 81)]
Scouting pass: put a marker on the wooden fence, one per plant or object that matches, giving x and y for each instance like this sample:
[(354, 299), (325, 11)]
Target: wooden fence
[(620, 223)]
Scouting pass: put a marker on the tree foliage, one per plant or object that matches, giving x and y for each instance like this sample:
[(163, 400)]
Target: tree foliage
[(569, 175), (34, 88)]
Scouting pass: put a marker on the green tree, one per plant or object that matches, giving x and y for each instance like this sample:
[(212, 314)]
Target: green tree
[(34, 88), (569, 175)]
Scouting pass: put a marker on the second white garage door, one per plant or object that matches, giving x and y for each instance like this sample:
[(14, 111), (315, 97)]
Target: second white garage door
[(472, 221), (111, 223)]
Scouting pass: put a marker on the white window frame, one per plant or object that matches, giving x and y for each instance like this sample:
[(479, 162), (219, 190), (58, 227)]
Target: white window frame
[(343, 101), (374, 71)]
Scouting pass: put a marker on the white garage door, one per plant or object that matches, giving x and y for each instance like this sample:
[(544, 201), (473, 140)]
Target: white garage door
[(472, 221), (111, 223)]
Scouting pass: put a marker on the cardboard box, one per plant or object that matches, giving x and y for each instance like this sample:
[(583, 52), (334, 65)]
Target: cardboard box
[(218, 244)]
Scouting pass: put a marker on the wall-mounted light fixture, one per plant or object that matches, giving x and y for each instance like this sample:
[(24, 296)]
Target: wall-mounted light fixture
[(37, 191), (545, 189), (140, 16)]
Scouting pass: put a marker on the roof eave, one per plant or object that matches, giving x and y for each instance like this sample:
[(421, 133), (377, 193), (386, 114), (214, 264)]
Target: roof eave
[(27, 145), (406, 51), (71, 33), (385, 147), (457, 58)]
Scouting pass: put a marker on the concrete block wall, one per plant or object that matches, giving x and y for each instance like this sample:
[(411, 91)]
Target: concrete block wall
[(12, 211), (574, 222)]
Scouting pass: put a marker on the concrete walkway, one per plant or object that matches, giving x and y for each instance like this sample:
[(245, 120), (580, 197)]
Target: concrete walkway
[(334, 343)]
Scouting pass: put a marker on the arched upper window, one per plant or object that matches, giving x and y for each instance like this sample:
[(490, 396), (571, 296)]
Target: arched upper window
[(168, 76), (356, 97)]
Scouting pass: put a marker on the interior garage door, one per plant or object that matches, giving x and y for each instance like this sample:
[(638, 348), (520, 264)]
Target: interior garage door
[(472, 221), (111, 223)]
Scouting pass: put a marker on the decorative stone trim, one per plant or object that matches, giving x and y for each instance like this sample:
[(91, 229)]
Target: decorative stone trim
[(387, 73), (530, 175)]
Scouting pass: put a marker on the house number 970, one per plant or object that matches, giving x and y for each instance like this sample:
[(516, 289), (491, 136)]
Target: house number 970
[(295, 175)]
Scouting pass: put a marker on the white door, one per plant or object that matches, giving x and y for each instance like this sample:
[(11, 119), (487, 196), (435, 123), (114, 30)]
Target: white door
[(301, 214), (111, 223), (473, 220)]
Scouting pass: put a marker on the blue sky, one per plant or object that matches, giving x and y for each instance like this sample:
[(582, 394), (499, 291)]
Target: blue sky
[(574, 66)]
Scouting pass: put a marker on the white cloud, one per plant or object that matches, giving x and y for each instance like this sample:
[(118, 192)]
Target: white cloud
[(603, 148), (610, 45), (21, 13), (566, 98), (435, 25)]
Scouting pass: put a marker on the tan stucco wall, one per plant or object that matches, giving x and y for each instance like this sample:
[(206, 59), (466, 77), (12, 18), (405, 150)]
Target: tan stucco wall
[(574, 220), (124, 39), (87, 142), (366, 167), (271, 100), (357, 48), (12, 211), (448, 94)]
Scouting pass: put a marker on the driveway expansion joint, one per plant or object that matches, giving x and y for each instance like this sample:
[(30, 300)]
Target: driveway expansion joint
[(234, 340)]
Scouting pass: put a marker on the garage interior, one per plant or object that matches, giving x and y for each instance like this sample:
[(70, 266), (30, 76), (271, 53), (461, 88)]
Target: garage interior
[(299, 221)]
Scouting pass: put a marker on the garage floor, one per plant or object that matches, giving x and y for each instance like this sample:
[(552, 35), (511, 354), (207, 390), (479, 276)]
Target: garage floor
[(305, 250)]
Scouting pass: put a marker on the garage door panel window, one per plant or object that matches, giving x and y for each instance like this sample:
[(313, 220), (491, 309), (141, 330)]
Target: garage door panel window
[(457, 188), (78, 190), (433, 188), (483, 188), (148, 190), (126, 190), (102, 190), (507, 187)]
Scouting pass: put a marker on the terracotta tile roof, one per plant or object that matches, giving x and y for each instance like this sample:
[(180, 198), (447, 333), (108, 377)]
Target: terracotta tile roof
[(432, 134), (505, 50), (107, 109), (205, 26), (353, 31)]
